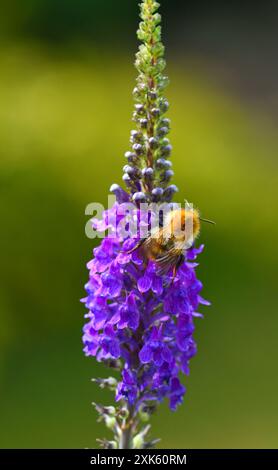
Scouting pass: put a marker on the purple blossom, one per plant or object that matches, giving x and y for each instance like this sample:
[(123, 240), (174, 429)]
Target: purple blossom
[(155, 350), (144, 319), (128, 388)]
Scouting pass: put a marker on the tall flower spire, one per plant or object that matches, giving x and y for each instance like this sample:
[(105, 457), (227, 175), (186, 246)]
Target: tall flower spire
[(139, 321)]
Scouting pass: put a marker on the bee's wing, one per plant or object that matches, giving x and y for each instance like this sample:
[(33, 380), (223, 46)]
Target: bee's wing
[(144, 242), (167, 261)]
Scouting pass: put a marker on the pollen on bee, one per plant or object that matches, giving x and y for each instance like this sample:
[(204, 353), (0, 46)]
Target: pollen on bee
[(186, 221)]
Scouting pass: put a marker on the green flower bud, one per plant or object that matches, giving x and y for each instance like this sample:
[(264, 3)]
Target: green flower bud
[(138, 441), (110, 422), (144, 416), (123, 413)]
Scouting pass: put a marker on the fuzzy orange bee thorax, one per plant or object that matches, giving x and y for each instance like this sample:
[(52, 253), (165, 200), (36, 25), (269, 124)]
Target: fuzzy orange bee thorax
[(183, 224)]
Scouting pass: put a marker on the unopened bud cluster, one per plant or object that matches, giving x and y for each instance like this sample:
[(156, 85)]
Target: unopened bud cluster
[(148, 172)]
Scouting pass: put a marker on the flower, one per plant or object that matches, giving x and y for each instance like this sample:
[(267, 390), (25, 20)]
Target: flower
[(142, 318), (127, 389)]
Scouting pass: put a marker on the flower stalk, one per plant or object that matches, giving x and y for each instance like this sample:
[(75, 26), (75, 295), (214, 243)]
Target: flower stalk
[(141, 322)]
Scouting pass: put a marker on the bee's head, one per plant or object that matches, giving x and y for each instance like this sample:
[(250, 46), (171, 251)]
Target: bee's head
[(194, 216), (190, 222), (185, 223)]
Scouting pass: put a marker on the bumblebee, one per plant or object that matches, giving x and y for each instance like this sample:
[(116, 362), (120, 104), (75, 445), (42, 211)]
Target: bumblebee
[(167, 245)]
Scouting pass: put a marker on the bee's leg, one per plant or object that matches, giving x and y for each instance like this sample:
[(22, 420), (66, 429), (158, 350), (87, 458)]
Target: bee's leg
[(174, 273), (145, 264), (179, 262)]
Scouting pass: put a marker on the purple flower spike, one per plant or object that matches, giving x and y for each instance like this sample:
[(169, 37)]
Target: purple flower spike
[(140, 317)]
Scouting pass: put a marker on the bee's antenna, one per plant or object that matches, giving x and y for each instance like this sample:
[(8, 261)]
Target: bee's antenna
[(208, 221)]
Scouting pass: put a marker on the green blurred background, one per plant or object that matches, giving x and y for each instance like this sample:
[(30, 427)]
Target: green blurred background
[(65, 92)]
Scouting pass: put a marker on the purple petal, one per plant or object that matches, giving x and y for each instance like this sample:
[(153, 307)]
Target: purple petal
[(114, 349), (197, 315), (157, 357), (167, 354), (123, 258), (193, 252), (144, 283), (145, 355), (133, 321), (157, 285), (203, 301)]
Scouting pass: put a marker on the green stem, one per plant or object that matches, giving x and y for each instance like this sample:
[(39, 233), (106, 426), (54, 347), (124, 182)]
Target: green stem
[(127, 431)]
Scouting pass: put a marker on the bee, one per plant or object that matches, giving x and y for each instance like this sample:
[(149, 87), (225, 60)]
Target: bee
[(166, 245)]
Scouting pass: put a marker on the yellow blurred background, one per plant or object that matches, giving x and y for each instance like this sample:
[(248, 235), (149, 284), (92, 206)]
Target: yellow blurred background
[(65, 118)]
